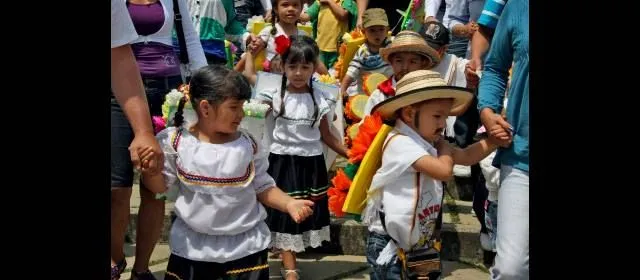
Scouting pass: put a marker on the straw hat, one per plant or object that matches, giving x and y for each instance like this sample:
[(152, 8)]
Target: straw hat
[(421, 85), (410, 41)]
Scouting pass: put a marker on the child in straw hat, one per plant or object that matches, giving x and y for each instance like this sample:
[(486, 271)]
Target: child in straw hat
[(408, 52), (406, 191)]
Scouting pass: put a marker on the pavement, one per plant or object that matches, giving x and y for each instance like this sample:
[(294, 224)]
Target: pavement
[(330, 266), (313, 266)]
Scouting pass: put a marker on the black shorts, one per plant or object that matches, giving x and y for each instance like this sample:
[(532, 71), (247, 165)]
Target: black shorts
[(251, 267), (122, 134)]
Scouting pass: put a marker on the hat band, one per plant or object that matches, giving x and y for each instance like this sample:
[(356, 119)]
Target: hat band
[(404, 82)]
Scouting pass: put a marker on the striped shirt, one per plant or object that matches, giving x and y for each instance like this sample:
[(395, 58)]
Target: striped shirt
[(366, 62), (491, 13)]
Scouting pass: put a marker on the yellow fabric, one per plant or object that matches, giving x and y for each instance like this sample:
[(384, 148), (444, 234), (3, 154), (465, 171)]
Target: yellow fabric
[(357, 196), (329, 29)]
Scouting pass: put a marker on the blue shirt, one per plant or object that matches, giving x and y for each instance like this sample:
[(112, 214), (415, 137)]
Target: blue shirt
[(491, 13), (510, 44)]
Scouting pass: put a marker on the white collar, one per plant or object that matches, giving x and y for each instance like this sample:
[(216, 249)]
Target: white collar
[(409, 132)]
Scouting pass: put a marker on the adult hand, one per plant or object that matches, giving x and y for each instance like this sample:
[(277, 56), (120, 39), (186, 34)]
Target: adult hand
[(495, 124), (142, 141)]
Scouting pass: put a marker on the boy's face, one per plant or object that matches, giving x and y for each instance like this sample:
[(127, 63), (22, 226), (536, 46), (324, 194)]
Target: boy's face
[(405, 62), (376, 34), (428, 118)]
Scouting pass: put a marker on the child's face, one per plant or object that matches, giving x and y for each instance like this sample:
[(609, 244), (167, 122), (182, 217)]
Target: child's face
[(428, 118), (405, 62), (288, 11), (299, 74), (376, 34), (224, 117)]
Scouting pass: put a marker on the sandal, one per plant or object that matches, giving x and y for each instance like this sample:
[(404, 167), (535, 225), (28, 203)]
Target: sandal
[(285, 272), (117, 269)]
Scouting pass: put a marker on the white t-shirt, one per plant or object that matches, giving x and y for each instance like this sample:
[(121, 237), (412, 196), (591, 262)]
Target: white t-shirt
[(122, 30)]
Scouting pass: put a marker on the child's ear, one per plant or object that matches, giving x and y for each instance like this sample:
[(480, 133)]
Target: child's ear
[(406, 114), (204, 107)]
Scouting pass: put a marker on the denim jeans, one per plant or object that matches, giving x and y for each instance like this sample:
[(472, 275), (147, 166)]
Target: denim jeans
[(122, 134), (392, 271), (512, 261)]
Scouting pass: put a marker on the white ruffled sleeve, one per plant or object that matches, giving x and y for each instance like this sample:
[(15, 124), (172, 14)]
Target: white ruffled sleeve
[(262, 180), (170, 172), (323, 107)]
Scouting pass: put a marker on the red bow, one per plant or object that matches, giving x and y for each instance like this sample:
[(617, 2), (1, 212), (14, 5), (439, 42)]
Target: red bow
[(386, 87), (282, 44)]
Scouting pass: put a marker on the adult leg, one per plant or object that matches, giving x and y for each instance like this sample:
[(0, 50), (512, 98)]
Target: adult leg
[(121, 182), (512, 260)]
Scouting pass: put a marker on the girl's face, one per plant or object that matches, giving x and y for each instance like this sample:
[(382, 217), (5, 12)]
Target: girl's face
[(428, 118), (288, 11), (405, 62), (299, 74), (224, 117)]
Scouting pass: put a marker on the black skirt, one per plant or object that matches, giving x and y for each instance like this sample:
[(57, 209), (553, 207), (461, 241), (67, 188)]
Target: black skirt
[(302, 178)]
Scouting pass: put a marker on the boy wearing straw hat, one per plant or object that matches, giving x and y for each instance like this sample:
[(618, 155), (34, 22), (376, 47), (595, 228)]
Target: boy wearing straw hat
[(408, 52), (406, 192)]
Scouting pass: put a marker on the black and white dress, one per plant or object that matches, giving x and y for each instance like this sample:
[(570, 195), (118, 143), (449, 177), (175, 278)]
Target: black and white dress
[(296, 163)]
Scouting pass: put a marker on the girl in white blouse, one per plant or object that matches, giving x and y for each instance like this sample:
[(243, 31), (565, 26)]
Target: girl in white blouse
[(221, 182), (296, 161)]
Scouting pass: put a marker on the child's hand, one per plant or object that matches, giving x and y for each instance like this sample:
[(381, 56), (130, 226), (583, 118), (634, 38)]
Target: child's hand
[(500, 136), (146, 155), (324, 2), (299, 209)]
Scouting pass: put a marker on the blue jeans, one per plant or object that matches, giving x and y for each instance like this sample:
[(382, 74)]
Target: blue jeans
[(122, 134), (512, 260), (392, 271)]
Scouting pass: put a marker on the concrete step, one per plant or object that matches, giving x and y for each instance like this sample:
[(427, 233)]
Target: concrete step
[(314, 266), (460, 233)]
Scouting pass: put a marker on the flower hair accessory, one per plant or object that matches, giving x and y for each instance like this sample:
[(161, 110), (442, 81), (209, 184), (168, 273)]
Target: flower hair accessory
[(185, 91), (282, 44)]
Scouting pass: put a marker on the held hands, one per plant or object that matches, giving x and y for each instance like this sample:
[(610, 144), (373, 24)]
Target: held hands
[(500, 131), (471, 27), (146, 157), (146, 153), (324, 2), (299, 209)]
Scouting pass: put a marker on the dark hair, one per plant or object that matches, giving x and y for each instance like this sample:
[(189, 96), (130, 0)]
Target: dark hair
[(274, 15), (303, 49), (214, 83)]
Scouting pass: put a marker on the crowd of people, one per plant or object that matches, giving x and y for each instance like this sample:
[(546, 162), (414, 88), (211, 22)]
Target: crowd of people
[(455, 93)]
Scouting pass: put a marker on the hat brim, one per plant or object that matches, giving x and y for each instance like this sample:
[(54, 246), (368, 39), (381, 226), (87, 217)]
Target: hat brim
[(462, 99), (419, 48)]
